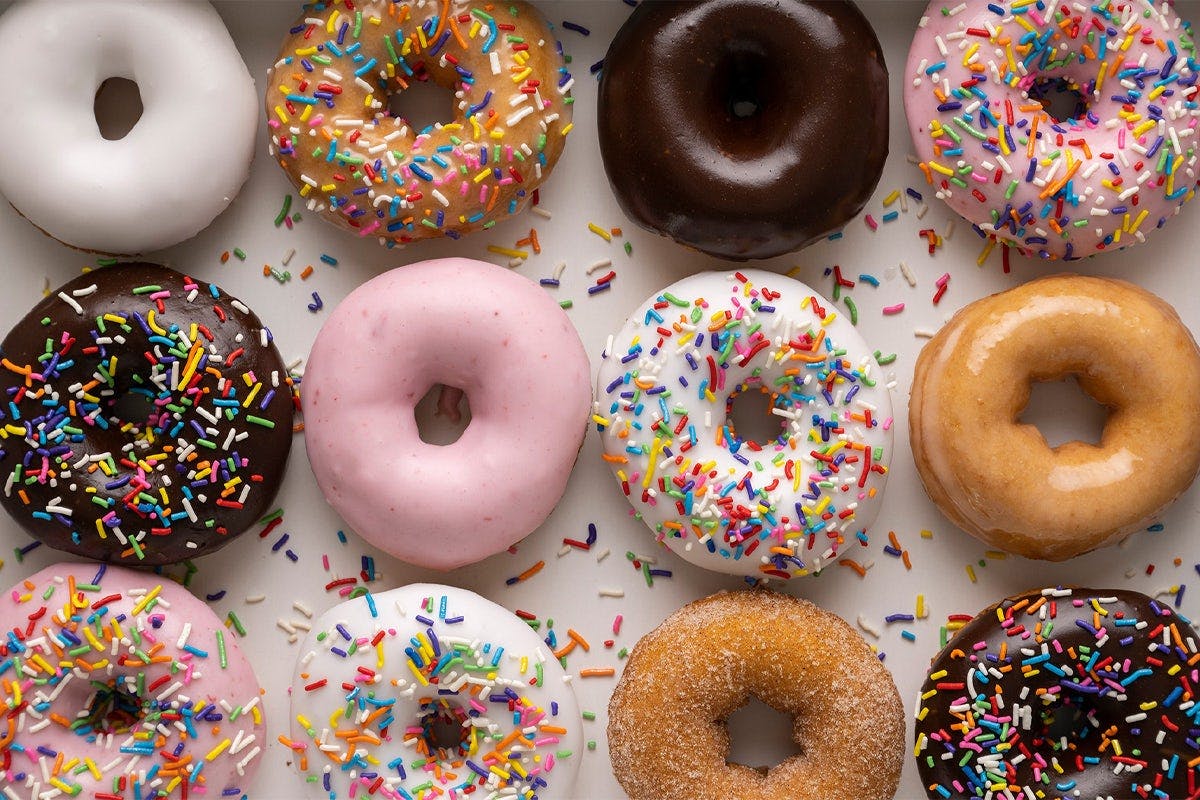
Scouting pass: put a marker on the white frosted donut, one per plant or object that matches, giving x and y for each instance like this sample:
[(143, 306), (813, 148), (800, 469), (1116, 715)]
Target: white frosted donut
[(431, 691), (180, 165), (781, 508)]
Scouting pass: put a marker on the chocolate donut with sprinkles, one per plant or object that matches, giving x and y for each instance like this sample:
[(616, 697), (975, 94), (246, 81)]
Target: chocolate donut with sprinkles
[(147, 417), (370, 171), (744, 128), (120, 685), (781, 507), (1063, 693), (1060, 129)]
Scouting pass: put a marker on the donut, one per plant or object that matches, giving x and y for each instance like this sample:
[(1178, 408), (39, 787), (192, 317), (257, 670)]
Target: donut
[(369, 171), (682, 681), (473, 327), (120, 684), (146, 417), (717, 120), (1062, 693), (183, 161), (667, 385), (427, 691), (1062, 130), (995, 477)]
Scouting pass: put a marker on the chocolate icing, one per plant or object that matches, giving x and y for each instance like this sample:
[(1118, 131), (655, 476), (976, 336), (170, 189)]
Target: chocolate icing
[(684, 163), (69, 353), (1099, 685)]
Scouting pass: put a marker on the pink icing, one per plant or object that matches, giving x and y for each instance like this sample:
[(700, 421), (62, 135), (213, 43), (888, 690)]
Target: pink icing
[(472, 326), (223, 735)]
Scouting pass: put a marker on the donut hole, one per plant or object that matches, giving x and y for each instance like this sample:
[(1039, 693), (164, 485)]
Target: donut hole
[(1063, 720), (135, 407), (443, 733), (117, 107), (1063, 412), (741, 84), (761, 737), (442, 414), (421, 103), (1061, 98), (749, 417), (114, 708)]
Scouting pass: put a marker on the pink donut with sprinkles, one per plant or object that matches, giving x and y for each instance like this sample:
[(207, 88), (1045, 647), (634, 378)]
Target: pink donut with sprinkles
[(119, 685), (468, 326), (1062, 130)]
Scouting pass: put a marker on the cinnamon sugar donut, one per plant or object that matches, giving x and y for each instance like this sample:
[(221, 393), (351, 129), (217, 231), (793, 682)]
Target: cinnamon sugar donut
[(995, 477), (666, 720)]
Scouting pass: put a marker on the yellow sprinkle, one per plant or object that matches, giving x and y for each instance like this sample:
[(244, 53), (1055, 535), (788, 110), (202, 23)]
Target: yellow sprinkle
[(603, 234), (216, 751)]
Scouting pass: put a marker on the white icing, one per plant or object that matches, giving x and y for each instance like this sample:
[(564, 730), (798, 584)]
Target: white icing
[(391, 682), (180, 165)]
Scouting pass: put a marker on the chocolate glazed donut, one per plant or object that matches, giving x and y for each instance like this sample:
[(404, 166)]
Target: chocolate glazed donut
[(744, 128), (145, 418), (1069, 693)]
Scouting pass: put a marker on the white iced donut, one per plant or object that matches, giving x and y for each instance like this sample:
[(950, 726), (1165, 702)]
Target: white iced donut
[(184, 159), (780, 508), (427, 691)]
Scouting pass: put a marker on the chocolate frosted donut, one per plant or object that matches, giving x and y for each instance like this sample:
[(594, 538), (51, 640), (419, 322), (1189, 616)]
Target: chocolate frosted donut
[(146, 417), (1063, 693), (744, 128)]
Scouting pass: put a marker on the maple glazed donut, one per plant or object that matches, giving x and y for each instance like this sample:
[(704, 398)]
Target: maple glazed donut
[(182, 162), (666, 719), (373, 173), (121, 684), (995, 477), (473, 327), (1121, 162), (1062, 693), (431, 691), (781, 508), (744, 128), (146, 417)]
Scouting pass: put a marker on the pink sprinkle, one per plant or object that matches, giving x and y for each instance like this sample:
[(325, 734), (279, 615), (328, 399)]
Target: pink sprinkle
[(896, 309), (617, 624), (871, 223), (942, 280)]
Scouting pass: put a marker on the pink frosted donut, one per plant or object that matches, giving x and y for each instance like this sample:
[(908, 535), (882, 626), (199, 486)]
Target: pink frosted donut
[(457, 323), (1117, 162), (114, 678)]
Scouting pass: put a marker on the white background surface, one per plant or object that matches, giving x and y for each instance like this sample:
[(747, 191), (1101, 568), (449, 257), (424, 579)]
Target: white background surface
[(567, 589)]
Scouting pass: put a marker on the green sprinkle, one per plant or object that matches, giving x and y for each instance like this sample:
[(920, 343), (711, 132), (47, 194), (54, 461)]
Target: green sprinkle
[(237, 624), (221, 649), (281, 216), (853, 310), (266, 423), (146, 289), (565, 303)]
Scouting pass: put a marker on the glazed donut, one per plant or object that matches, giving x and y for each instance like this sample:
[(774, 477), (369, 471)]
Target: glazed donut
[(474, 327), (666, 719), (781, 508), (370, 172), (744, 128), (147, 417), (982, 77), (1062, 693), (430, 691), (995, 477), (120, 684), (178, 168)]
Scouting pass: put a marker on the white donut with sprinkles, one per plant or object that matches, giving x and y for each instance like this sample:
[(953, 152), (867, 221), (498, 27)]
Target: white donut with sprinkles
[(1060, 129), (780, 508), (430, 691)]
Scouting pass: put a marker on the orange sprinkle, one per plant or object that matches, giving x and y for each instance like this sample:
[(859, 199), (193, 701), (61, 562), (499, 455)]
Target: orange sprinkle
[(597, 672)]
